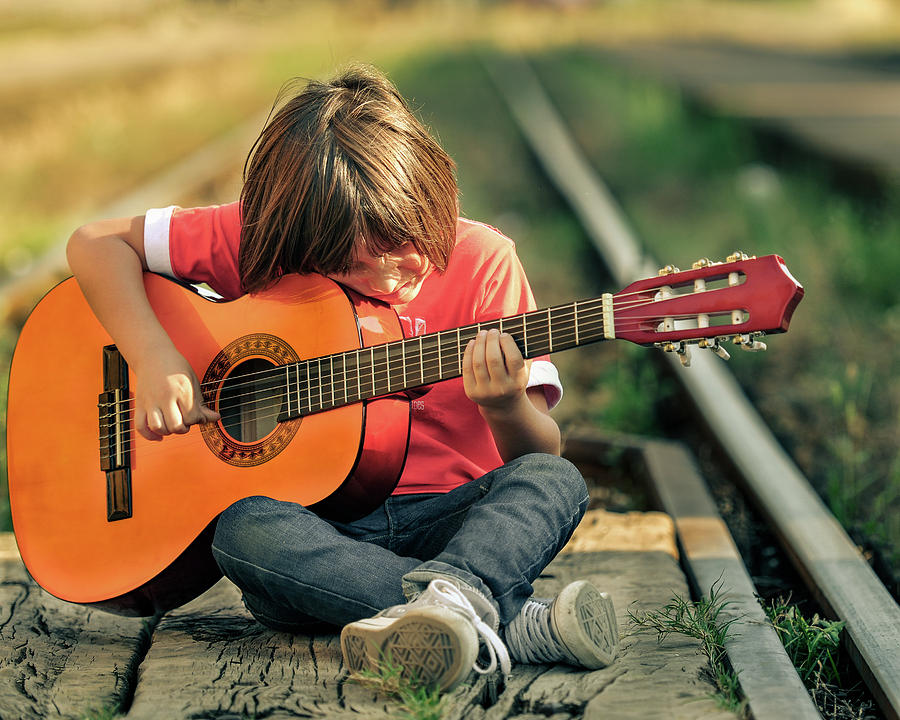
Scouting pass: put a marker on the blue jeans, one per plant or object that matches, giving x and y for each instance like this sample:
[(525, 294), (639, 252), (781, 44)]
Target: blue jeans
[(496, 533)]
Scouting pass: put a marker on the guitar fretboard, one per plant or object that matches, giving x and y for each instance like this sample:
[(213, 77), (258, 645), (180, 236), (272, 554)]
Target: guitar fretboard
[(331, 381)]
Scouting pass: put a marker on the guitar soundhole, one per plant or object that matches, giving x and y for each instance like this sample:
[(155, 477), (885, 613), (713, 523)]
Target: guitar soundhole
[(250, 400), (245, 385)]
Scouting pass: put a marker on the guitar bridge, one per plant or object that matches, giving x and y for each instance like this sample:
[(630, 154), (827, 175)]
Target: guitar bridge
[(115, 434)]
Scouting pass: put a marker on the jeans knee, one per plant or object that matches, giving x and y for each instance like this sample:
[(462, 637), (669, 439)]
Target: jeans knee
[(559, 479), (241, 526)]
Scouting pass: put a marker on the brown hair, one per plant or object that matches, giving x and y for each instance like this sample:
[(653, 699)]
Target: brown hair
[(343, 160)]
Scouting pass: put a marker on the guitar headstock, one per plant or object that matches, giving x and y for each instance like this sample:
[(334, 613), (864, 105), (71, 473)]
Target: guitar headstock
[(737, 300)]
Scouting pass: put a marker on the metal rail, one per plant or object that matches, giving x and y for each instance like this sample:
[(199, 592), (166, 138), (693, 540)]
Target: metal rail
[(835, 571)]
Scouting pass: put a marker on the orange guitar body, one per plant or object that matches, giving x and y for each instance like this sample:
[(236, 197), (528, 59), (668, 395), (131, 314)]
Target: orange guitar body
[(158, 557)]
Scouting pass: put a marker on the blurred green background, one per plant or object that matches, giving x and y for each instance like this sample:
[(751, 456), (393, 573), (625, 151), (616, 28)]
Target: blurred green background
[(99, 97)]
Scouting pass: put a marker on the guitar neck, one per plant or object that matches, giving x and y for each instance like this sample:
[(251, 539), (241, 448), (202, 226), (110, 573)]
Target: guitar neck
[(331, 381)]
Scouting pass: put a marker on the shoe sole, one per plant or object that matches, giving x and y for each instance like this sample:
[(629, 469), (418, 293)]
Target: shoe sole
[(432, 647), (585, 620)]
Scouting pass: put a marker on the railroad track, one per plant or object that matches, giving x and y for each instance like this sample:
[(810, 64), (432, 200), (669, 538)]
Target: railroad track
[(837, 575), (834, 570)]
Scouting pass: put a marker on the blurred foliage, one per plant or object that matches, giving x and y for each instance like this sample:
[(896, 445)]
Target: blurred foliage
[(697, 184), (79, 129)]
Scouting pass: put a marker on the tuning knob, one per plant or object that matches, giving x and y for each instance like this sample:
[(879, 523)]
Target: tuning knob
[(684, 352), (749, 343), (738, 255), (667, 270), (714, 345)]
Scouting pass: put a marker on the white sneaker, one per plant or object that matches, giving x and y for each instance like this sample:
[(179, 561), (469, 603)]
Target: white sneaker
[(434, 639), (578, 627)]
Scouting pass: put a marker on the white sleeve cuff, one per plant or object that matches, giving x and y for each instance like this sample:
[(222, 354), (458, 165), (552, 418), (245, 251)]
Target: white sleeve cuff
[(544, 373), (156, 240)]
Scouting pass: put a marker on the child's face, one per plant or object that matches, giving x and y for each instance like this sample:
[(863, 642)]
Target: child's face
[(395, 277)]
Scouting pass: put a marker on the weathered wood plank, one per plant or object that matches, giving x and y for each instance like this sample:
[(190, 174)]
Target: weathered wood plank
[(210, 658), (59, 660)]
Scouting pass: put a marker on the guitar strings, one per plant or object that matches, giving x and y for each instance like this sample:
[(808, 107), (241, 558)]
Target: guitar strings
[(427, 354), (321, 392), (571, 311), (279, 396), (381, 372)]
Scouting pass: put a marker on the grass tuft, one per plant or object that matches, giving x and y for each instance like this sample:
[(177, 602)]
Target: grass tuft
[(703, 621), (813, 644), (417, 701)]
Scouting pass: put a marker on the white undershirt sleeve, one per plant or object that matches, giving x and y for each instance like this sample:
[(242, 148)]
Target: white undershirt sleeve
[(156, 240), (545, 374)]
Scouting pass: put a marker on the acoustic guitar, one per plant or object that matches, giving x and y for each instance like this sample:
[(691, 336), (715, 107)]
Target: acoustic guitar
[(313, 383)]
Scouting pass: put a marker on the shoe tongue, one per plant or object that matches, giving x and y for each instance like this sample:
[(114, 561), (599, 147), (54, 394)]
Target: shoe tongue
[(482, 606)]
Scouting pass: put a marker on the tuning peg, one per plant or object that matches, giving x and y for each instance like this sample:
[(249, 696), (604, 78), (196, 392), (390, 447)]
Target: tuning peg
[(714, 345), (667, 270), (684, 352), (704, 262), (738, 255), (749, 343)]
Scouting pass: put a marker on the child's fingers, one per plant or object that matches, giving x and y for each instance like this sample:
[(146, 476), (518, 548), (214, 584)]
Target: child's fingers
[(148, 422), (493, 356), (476, 351), (513, 359)]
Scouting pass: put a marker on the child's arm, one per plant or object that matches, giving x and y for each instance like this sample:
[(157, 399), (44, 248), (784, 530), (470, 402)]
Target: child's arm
[(107, 259), (495, 377)]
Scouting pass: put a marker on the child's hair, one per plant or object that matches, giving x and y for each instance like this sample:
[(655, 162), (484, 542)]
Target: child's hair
[(343, 162)]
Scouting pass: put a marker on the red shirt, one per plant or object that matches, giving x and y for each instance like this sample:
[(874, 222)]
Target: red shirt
[(450, 443)]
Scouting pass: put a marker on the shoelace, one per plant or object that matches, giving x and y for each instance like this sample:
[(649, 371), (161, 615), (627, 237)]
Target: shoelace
[(530, 637), (443, 592)]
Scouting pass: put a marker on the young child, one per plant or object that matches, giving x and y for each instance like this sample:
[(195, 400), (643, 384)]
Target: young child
[(344, 181)]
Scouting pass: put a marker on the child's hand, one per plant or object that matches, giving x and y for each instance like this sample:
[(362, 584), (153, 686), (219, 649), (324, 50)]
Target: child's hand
[(494, 372), (168, 397)]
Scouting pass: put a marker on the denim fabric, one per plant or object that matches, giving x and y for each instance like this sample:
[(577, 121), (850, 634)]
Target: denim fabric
[(495, 534)]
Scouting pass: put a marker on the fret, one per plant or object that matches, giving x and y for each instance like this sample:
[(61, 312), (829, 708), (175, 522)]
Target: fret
[(338, 381), (381, 374), (312, 378), (286, 411), (298, 386), (432, 351), (592, 327), (320, 383), (575, 308), (396, 366), (463, 337), (372, 365), (365, 374), (351, 370), (525, 337), (515, 327), (448, 349), (331, 379), (536, 327), (549, 330), (421, 362)]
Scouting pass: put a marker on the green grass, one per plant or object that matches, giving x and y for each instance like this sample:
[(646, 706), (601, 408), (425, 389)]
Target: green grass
[(703, 621), (813, 644), (416, 701), (695, 184)]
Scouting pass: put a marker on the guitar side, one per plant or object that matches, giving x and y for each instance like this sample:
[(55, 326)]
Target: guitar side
[(58, 491)]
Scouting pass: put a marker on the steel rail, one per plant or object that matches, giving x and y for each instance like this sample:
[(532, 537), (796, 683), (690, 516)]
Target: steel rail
[(825, 556)]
